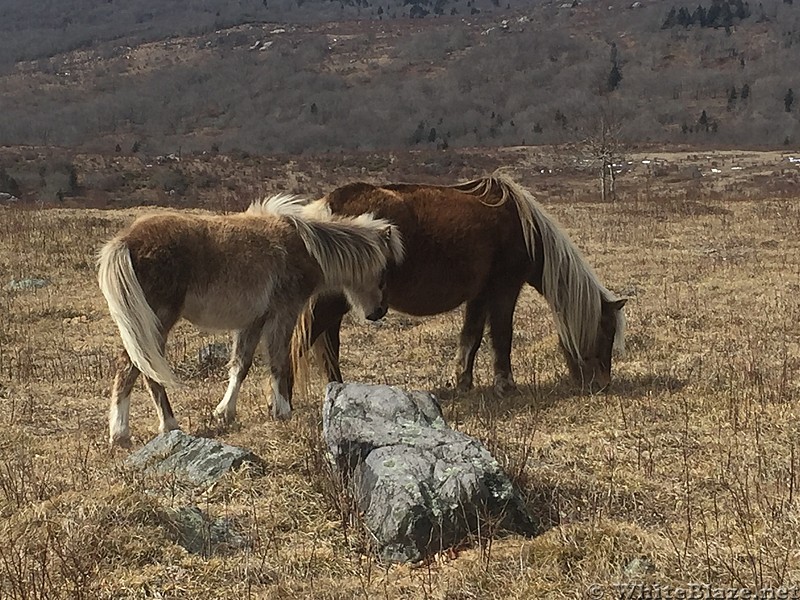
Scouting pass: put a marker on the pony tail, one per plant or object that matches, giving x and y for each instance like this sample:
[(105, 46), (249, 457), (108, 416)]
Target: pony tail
[(139, 327), (302, 354)]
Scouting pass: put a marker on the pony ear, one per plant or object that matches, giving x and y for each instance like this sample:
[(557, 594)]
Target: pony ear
[(617, 304), (387, 233)]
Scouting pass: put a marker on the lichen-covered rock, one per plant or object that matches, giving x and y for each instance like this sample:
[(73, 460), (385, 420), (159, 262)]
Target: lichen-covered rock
[(27, 283), (199, 534), (193, 461), (421, 486)]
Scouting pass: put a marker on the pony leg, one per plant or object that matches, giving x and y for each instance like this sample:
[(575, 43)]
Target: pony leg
[(330, 353), (323, 341), (166, 418), (119, 433), (278, 336), (501, 319), (469, 342), (328, 314), (245, 343)]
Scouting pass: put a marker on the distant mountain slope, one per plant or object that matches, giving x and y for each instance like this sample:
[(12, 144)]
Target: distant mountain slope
[(315, 75), (40, 29)]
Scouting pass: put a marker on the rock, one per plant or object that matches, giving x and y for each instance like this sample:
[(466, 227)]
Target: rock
[(196, 462), (27, 283), (421, 486), (638, 567), (199, 534)]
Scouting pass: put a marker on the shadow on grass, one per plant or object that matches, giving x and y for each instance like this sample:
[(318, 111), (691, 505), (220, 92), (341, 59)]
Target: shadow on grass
[(640, 385), (215, 428), (544, 397)]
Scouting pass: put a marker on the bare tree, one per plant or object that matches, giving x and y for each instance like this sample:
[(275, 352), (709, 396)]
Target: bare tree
[(602, 147)]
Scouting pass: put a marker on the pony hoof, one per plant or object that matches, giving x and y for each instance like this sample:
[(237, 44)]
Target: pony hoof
[(224, 418), (123, 442), (504, 388), (169, 425), (463, 386), (281, 415)]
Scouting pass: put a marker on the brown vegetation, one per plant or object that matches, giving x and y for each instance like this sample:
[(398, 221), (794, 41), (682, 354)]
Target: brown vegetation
[(685, 471), (274, 80)]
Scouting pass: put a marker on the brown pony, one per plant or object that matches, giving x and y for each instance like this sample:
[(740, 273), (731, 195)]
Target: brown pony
[(477, 243), (252, 273)]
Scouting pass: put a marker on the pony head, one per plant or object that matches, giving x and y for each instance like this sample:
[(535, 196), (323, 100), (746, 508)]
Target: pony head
[(368, 293), (593, 369), (370, 298)]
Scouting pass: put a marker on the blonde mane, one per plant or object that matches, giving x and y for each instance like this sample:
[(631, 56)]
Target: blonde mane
[(569, 284), (347, 249), (279, 204)]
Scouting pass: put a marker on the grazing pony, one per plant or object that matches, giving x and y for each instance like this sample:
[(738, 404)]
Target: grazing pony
[(477, 243), (251, 273)]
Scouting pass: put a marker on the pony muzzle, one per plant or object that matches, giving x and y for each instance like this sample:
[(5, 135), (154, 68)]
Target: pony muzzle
[(593, 376), (378, 313)]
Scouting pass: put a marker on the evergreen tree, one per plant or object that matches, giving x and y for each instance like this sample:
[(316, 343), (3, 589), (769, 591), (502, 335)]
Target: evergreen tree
[(614, 77), (745, 92), (670, 20), (699, 16), (703, 120), (732, 96), (419, 133), (713, 13), (8, 184), (726, 16), (742, 10), (73, 181)]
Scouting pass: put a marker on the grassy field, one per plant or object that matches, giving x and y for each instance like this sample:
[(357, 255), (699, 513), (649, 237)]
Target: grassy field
[(684, 471)]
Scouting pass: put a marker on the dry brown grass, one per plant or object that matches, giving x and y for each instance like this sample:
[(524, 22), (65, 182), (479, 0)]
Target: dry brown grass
[(688, 464)]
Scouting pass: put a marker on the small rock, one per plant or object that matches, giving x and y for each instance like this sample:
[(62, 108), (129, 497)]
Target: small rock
[(637, 568), (194, 461), (27, 283), (201, 535)]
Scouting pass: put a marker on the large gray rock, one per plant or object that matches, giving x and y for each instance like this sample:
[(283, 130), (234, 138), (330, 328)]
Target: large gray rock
[(421, 486), (193, 461)]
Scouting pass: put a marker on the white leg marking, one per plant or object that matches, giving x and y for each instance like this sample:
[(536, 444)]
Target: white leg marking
[(226, 409), (119, 430), (281, 409), (168, 424)]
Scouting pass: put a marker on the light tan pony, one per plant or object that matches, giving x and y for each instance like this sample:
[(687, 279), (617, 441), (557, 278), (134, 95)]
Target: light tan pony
[(251, 273)]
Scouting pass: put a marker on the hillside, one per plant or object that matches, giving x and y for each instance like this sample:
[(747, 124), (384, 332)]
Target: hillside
[(297, 77)]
